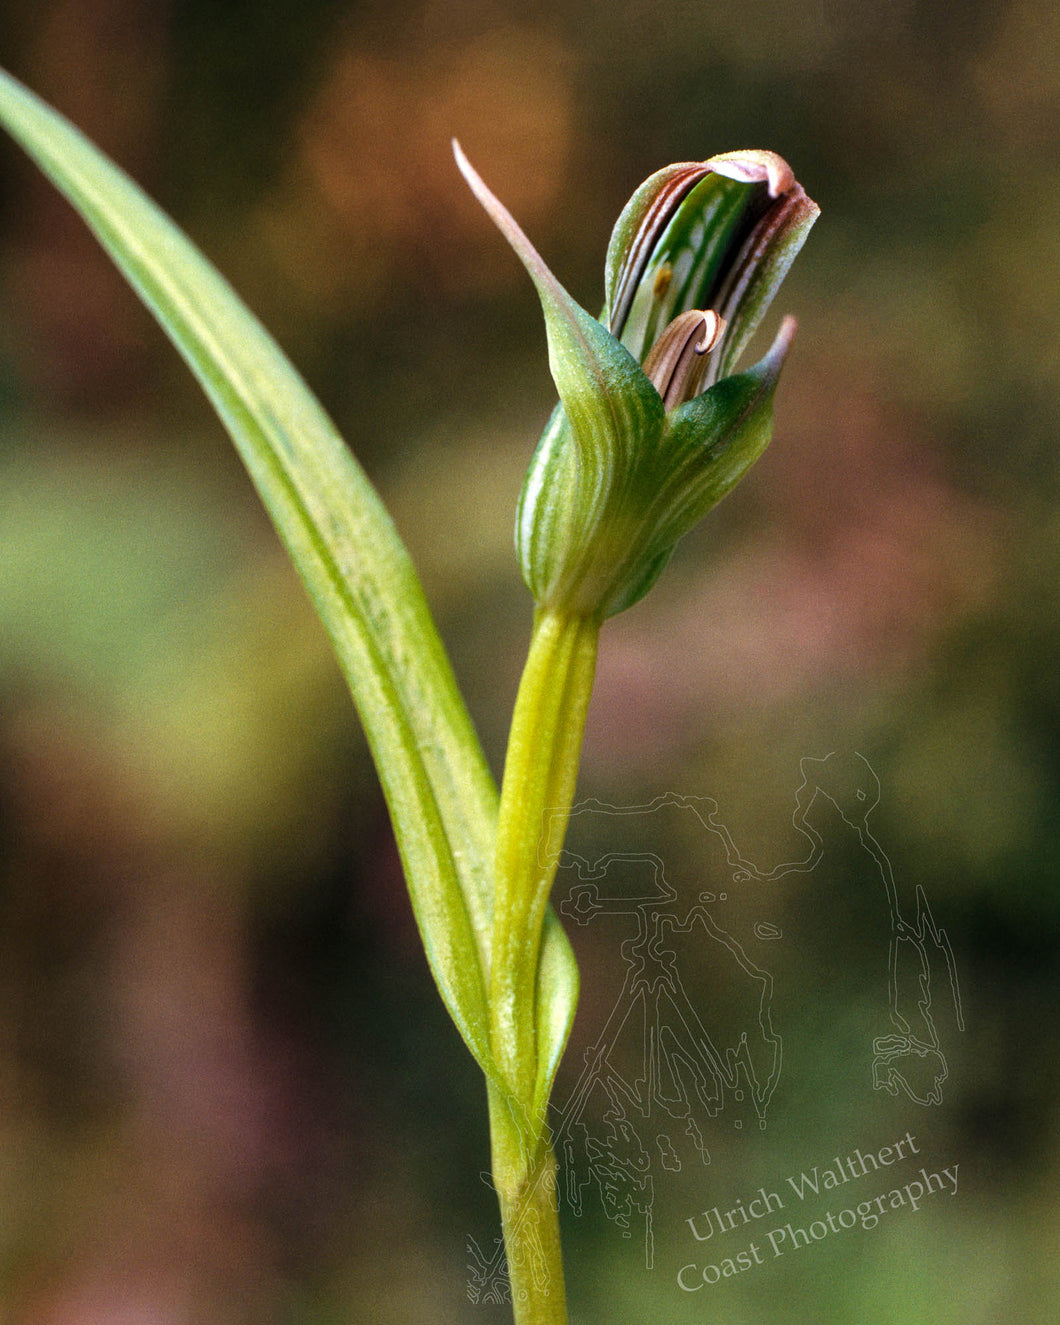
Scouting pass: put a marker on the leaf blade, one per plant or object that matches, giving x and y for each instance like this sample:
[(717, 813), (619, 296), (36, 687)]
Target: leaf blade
[(441, 795)]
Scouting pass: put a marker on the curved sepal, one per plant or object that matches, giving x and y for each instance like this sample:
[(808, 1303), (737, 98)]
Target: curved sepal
[(610, 414), (757, 272)]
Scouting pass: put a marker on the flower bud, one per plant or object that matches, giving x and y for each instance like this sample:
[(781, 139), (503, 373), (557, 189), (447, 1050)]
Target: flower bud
[(652, 429)]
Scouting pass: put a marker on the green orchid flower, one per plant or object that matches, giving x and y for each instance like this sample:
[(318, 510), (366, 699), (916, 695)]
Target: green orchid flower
[(653, 427)]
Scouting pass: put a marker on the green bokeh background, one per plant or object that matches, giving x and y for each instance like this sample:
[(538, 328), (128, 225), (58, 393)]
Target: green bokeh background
[(228, 1091)]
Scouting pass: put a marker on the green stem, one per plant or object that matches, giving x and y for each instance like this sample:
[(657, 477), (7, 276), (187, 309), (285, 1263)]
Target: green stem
[(540, 774), (526, 1192)]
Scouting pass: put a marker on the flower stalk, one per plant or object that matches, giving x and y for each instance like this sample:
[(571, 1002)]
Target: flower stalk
[(652, 430), (537, 791), (526, 1193)]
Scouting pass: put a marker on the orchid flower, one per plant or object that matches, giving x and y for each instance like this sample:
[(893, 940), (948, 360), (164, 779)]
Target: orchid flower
[(653, 427)]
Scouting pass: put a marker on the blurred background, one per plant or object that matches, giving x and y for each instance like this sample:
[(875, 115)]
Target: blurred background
[(228, 1090)]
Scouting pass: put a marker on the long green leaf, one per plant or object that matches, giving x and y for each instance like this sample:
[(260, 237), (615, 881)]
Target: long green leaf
[(441, 796)]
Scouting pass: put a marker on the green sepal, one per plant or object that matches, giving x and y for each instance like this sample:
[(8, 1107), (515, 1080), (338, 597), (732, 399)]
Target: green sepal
[(610, 414), (706, 447), (709, 444)]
